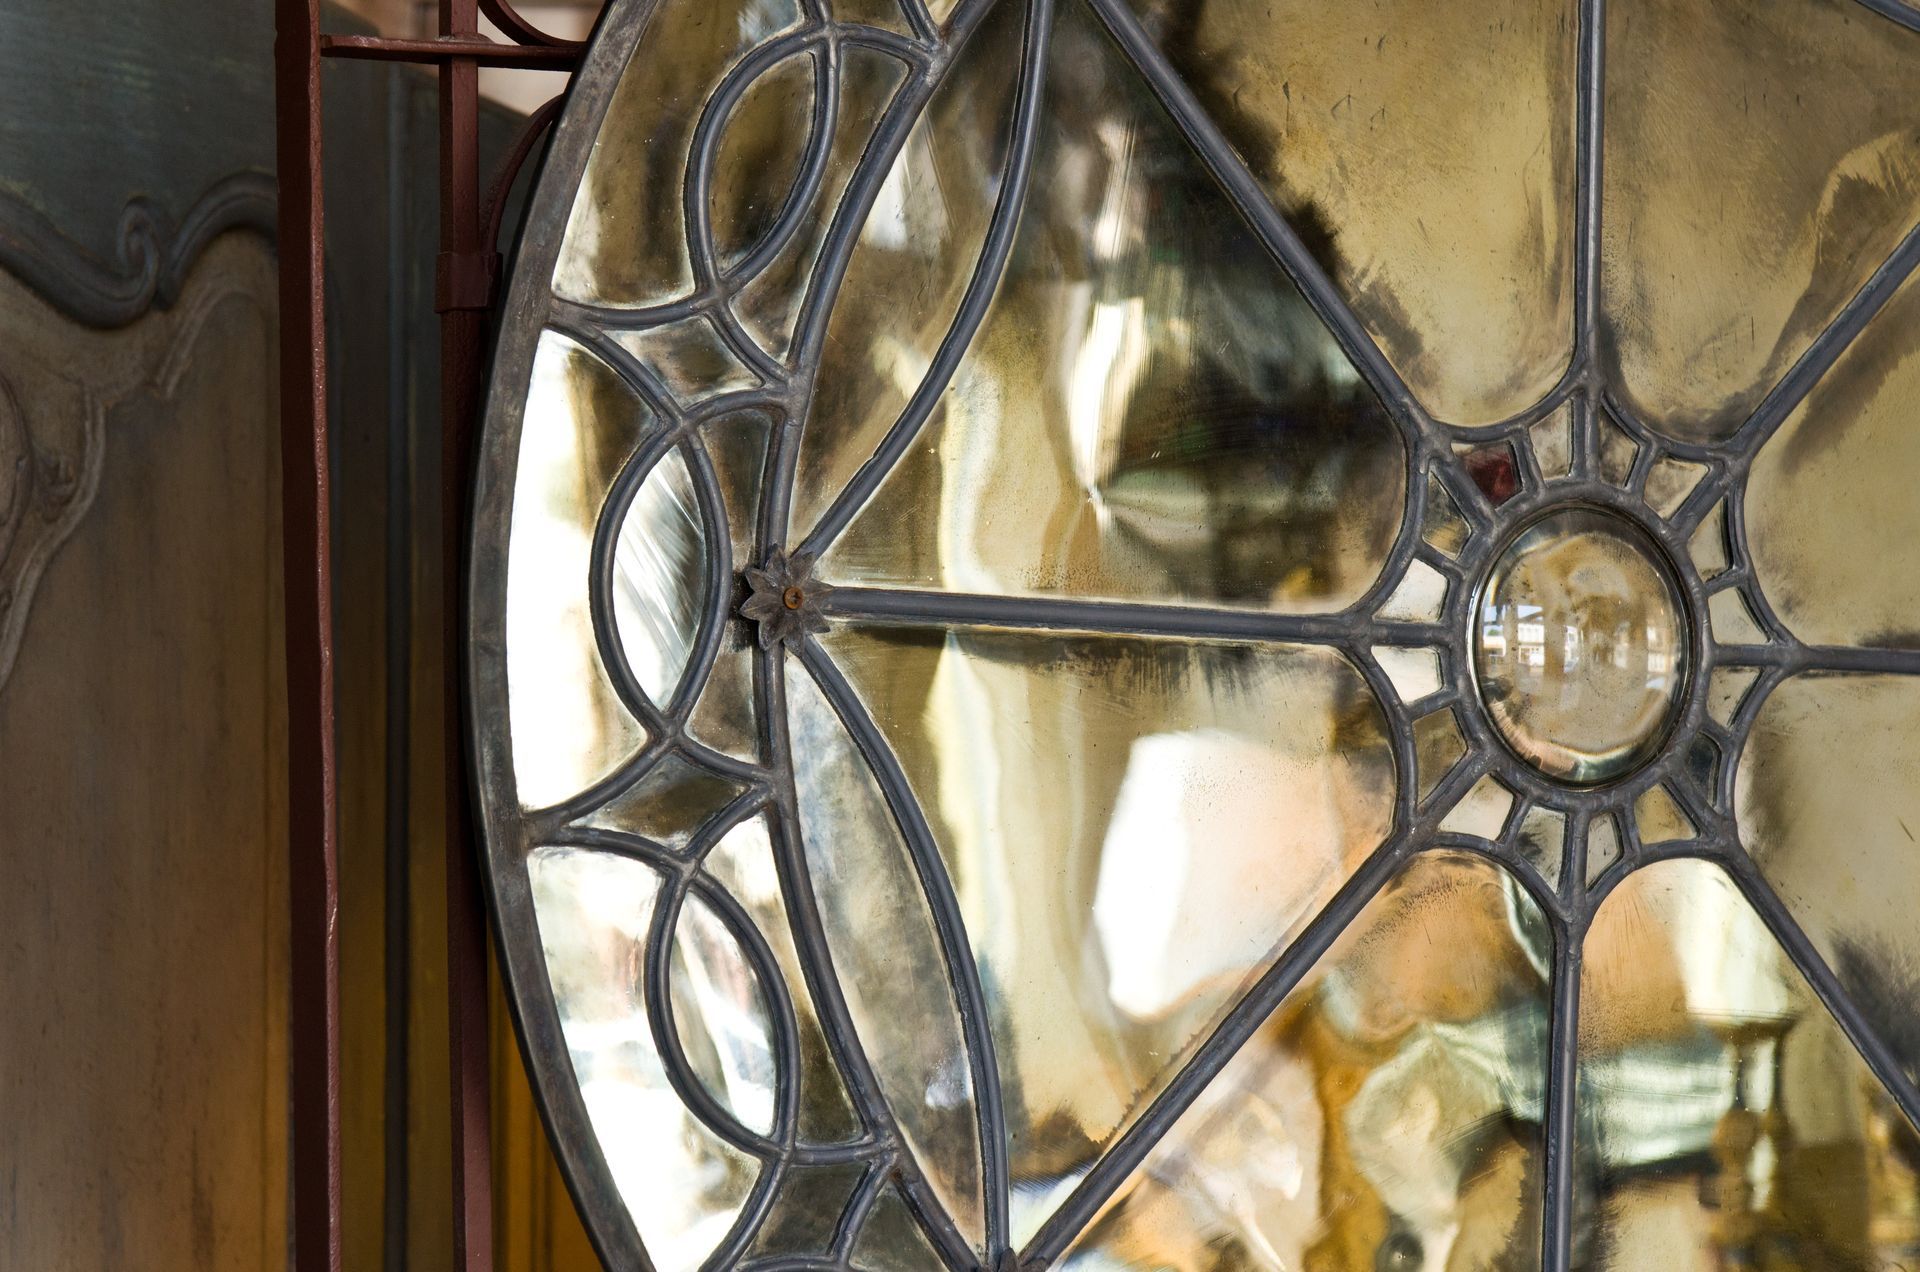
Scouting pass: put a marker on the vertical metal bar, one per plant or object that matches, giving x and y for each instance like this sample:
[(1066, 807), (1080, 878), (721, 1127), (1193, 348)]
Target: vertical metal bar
[(461, 297), (313, 836), (396, 1131)]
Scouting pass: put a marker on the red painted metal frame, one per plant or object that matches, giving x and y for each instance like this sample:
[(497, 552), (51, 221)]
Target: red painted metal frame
[(465, 282)]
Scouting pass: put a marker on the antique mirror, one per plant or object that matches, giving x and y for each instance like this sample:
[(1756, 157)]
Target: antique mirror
[(1217, 634)]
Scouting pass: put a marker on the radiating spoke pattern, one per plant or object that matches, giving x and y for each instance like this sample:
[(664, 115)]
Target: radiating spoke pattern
[(1128, 635)]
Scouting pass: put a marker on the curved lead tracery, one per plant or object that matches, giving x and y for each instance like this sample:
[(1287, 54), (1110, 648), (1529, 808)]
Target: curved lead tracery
[(994, 579)]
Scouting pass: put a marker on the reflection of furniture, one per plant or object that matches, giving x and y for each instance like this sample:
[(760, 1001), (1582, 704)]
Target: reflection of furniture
[(1751, 1137)]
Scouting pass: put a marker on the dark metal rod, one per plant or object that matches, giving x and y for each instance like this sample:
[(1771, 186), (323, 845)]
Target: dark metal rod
[(398, 847), (909, 607), (475, 50), (313, 831), (463, 312), (1798, 658)]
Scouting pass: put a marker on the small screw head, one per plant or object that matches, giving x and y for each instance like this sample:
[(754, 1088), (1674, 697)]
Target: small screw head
[(793, 598)]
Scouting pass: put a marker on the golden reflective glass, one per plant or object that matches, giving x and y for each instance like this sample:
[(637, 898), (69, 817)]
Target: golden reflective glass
[(1426, 153), (1580, 645), (1725, 1120), (1831, 508), (581, 425), (1387, 1115), (1759, 166), (1133, 829), (1828, 795), (1151, 410)]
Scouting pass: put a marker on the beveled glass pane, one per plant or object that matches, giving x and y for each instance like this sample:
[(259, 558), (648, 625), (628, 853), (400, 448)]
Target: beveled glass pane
[(1386, 1115), (761, 152), (1133, 829), (742, 862), (991, 708), (1723, 1113), (684, 1185), (660, 559), (769, 304), (581, 425), (626, 240), (886, 952), (1832, 517), (910, 265), (1150, 408), (1426, 152), (1828, 794), (1733, 240)]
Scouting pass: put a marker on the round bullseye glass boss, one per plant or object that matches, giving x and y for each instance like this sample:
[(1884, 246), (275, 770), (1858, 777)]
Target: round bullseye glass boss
[(1580, 638)]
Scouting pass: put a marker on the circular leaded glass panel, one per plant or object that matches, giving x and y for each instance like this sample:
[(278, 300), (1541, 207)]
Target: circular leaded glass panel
[(1131, 634)]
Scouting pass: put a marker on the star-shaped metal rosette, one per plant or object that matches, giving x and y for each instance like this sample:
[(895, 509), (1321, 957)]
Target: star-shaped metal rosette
[(784, 597)]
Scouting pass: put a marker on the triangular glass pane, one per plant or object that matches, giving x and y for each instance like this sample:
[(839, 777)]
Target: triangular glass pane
[(1552, 440), (1732, 243), (1420, 596), (1660, 820), (1482, 811), (1603, 847), (1768, 1116), (1828, 800), (1618, 450), (1415, 672), (1134, 828), (1150, 409), (1344, 1123), (1383, 128)]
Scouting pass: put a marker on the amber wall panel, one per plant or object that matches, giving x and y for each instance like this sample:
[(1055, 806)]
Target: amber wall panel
[(142, 809)]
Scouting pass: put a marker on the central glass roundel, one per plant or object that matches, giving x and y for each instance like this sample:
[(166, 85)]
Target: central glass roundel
[(1579, 645)]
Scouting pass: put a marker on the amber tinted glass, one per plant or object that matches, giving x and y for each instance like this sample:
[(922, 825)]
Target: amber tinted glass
[(1221, 634)]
